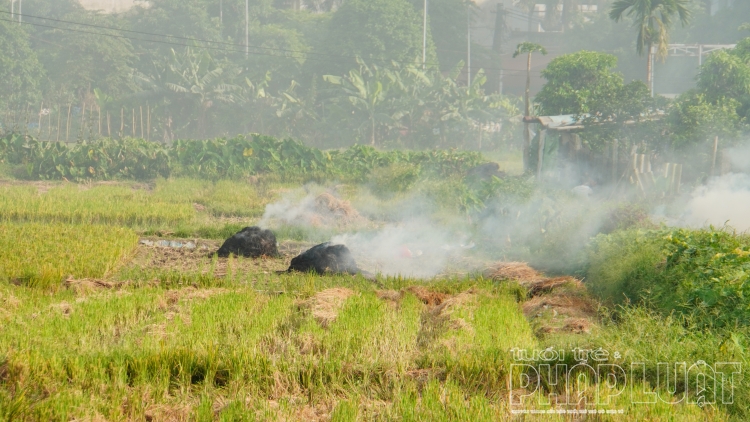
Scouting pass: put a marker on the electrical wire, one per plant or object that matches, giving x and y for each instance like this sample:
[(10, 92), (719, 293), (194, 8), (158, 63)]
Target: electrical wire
[(214, 48)]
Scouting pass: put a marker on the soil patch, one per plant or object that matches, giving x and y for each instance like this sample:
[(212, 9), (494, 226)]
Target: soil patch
[(196, 259)]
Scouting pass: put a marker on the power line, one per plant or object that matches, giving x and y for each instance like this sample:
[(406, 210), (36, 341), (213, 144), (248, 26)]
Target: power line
[(386, 61), (215, 48)]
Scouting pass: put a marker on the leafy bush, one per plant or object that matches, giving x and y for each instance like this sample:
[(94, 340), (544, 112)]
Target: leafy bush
[(702, 274), (215, 159), (102, 159), (397, 177)]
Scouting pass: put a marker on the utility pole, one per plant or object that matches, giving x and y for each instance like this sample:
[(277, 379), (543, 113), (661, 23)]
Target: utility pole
[(20, 12), (221, 19), (468, 43), (247, 27), (424, 37), (11, 9)]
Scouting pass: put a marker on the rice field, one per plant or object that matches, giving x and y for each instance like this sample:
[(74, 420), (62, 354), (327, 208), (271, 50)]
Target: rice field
[(97, 327), (38, 254)]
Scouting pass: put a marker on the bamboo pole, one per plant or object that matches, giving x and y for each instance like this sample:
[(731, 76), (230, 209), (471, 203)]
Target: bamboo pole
[(26, 123), (141, 109), (41, 108), (540, 155), (83, 116), (49, 125), (614, 160), (67, 124), (713, 159), (59, 112)]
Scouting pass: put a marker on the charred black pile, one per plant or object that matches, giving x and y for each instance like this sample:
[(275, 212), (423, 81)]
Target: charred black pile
[(250, 242), (325, 258)]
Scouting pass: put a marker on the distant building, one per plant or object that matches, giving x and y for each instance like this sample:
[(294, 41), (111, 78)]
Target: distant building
[(110, 6)]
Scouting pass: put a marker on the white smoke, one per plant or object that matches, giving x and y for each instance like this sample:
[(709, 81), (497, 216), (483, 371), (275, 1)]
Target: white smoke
[(724, 200), (412, 248), (288, 210)]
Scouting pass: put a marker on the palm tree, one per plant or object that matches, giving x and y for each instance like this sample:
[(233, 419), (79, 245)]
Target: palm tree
[(528, 48), (652, 19)]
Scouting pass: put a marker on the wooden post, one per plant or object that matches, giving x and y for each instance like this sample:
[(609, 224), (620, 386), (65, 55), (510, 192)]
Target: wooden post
[(671, 180), (614, 160), (148, 123), (713, 160), (59, 112), (83, 116), (67, 124), (109, 128), (49, 125), (141, 109), (540, 158), (26, 123), (41, 108)]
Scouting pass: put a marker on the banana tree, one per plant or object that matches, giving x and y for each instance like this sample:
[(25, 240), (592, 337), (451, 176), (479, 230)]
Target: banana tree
[(366, 91), (199, 79)]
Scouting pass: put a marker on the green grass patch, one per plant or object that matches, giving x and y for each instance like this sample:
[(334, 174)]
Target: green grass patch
[(703, 275), (42, 254)]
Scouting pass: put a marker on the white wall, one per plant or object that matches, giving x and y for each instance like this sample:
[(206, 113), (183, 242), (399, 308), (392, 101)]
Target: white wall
[(109, 6)]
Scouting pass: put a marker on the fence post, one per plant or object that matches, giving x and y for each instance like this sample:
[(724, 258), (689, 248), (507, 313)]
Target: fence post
[(67, 124), (713, 159), (614, 160), (41, 108), (540, 155)]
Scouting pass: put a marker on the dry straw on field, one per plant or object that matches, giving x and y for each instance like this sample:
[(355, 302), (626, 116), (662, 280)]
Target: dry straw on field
[(325, 305)]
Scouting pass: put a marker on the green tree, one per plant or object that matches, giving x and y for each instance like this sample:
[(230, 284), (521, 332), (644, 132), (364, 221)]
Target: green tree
[(527, 48), (584, 83), (366, 90), (652, 20), (78, 63), (447, 30), (189, 87), (378, 31), (21, 74), (694, 119), (726, 74)]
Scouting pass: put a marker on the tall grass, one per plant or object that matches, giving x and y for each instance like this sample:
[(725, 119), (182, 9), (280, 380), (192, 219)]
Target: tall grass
[(43, 254), (113, 205)]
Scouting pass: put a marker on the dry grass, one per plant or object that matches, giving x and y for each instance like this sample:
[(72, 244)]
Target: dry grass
[(325, 305), (516, 271), (565, 309), (427, 296), (325, 203)]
